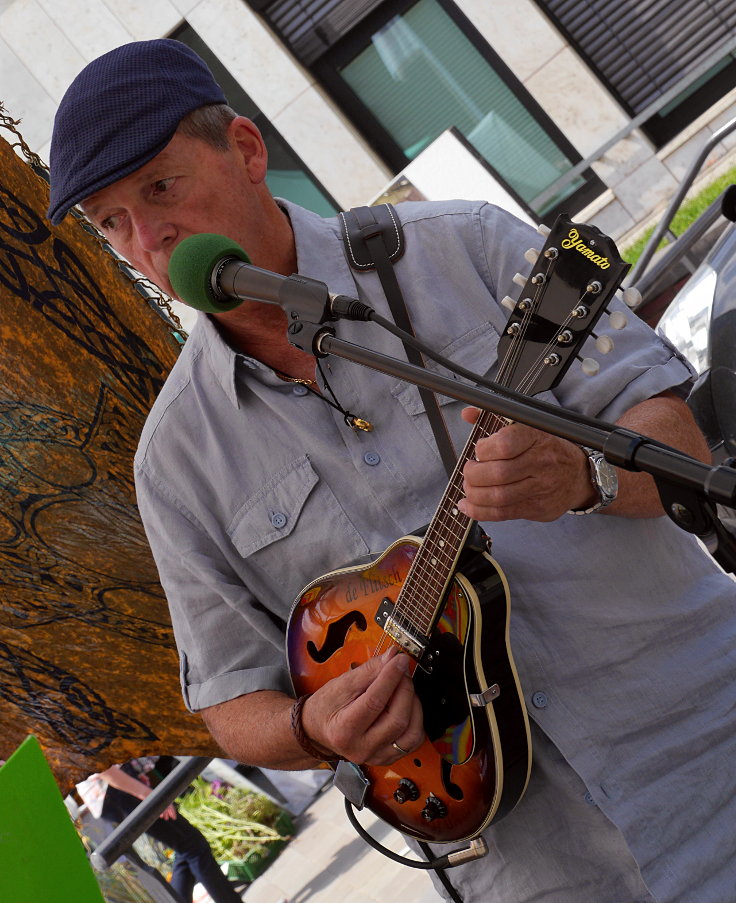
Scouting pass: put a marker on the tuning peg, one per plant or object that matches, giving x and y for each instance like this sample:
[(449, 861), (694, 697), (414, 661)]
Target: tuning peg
[(604, 344), (590, 366), (531, 255), (543, 230), (520, 279), (618, 319), (508, 302), (632, 296)]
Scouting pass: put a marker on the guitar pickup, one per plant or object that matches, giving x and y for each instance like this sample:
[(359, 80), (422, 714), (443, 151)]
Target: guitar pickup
[(410, 640)]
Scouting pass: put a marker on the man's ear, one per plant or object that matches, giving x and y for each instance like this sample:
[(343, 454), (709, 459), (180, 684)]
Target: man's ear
[(247, 138)]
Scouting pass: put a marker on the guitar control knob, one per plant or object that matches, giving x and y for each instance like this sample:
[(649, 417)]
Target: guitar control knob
[(433, 808), (407, 790)]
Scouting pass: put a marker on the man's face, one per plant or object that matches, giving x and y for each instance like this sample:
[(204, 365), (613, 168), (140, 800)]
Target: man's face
[(188, 188)]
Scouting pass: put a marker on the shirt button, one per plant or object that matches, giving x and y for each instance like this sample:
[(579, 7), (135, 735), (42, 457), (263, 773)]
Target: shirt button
[(372, 458), (588, 797), (539, 700), (300, 390), (278, 520)]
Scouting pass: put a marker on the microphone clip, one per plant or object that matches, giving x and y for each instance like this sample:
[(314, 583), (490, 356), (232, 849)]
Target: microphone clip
[(306, 303), (306, 300)]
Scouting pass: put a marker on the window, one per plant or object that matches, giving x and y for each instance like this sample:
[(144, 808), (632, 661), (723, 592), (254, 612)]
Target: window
[(404, 72), (643, 51), (288, 177)]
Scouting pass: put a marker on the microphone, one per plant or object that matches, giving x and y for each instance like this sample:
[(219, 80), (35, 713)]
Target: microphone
[(214, 274)]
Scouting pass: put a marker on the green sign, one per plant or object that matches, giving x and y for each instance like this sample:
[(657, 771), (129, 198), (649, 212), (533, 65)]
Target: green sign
[(41, 855)]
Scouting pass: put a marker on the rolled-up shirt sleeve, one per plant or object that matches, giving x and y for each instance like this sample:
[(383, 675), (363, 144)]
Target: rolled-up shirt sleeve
[(228, 643)]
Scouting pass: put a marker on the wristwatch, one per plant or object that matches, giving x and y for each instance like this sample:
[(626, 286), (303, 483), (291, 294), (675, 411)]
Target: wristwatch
[(605, 479)]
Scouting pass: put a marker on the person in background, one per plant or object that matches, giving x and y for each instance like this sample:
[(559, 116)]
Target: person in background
[(113, 794)]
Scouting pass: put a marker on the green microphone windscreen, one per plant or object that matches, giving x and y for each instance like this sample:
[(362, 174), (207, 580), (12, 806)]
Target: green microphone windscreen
[(191, 266)]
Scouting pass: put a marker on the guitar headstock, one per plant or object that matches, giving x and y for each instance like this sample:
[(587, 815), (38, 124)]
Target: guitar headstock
[(572, 281)]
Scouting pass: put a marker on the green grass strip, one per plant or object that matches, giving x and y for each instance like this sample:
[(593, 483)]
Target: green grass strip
[(689, 211)]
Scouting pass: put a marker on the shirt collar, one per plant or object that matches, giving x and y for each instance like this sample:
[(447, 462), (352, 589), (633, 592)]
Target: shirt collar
[(319, 249), (320, 255)]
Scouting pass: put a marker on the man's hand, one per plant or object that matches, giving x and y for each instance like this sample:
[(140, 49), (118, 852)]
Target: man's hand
[(520, 472), (525, 473), (360, 714)]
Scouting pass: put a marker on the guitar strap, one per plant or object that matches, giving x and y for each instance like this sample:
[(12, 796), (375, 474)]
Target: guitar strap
[(374, 240)]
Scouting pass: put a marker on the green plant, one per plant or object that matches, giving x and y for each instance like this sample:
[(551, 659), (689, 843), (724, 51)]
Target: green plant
[(236, 822), (689, 211)]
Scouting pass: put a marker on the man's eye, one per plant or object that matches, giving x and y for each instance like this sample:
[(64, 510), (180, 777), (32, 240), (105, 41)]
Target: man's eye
[(162, 185), (109, 223)]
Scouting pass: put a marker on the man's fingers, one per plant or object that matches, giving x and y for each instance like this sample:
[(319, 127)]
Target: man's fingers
[(364, 711), (413, 734)]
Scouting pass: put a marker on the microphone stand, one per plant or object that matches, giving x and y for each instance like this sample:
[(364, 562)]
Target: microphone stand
[(689, 489)]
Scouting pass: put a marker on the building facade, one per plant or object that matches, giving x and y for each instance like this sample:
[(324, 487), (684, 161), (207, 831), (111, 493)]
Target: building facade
[(591, 107)]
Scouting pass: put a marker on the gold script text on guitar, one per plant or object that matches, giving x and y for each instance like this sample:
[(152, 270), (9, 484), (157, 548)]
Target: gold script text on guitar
[(574, 241)]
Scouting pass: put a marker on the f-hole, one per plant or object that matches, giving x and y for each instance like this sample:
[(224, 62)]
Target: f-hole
[(335, 638)]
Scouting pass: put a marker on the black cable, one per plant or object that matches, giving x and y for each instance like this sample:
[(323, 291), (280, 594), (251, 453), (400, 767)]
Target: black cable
[(442, 875), (437, 865)]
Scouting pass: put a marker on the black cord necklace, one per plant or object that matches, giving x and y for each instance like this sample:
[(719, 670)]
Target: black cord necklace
[(354, 422)]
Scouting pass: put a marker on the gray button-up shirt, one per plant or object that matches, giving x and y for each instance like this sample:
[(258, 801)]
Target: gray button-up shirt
[(622, 629)]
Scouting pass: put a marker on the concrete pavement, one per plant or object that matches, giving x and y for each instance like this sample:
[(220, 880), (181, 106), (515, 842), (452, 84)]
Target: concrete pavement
[(328, 862)]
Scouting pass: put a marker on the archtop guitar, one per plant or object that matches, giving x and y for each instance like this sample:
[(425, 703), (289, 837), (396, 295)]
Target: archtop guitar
[(443, 599)]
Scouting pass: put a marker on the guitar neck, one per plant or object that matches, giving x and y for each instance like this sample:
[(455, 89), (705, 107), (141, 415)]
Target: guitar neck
[(421, 595), (573, 278)]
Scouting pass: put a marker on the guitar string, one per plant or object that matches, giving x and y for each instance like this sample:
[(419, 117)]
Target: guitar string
[(506, 368), (432, 575), (432, 580), (439, 559), (425, 578), (538, 366)]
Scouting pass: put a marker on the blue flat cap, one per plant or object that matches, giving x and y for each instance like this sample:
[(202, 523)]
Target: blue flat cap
[(119, 112)]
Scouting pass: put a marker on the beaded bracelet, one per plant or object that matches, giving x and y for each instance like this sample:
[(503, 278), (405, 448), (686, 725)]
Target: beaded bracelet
[(301, 737)]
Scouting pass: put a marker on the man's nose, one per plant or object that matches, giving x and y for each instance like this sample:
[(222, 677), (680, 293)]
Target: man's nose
[(153, 233)]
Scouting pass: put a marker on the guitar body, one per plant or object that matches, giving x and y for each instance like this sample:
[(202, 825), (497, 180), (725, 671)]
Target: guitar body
[(474, 765)]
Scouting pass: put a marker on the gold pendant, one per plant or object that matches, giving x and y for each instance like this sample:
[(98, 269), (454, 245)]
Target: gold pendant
[(358, 423)]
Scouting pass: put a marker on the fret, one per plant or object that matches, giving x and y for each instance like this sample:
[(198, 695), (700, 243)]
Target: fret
[(568, 289)]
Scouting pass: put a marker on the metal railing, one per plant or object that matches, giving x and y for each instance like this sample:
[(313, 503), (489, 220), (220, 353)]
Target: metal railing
[(663, 225), (652, 109), (119, 841)]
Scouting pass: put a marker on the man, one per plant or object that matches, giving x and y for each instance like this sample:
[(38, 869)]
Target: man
[(251, 484)]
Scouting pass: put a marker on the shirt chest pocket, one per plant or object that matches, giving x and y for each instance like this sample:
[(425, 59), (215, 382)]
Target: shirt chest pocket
[(477, 352), (292, 529)]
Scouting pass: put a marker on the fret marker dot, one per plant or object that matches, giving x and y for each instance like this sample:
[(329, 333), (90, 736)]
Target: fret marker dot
[(441, 542), (454, 512), (434, 561)]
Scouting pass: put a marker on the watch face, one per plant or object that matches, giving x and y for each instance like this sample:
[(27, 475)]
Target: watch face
[(607, 478)]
